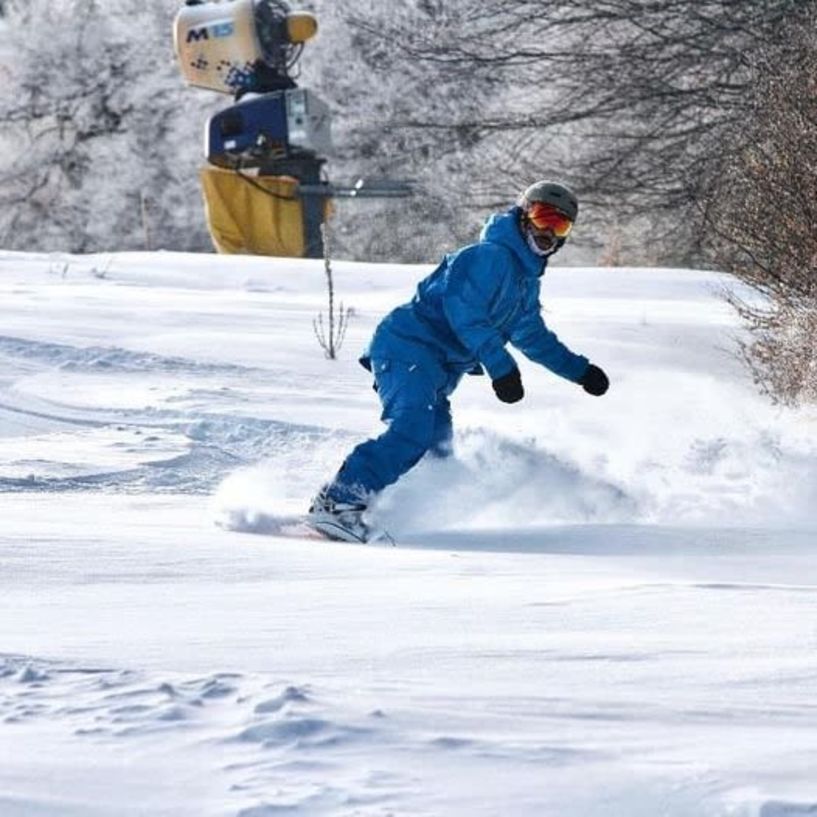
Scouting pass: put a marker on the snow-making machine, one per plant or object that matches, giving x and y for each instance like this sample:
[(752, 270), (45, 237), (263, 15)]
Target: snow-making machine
[(264, 186)]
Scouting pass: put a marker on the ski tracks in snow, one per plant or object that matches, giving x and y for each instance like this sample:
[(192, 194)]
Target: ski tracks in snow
[(61, 435)]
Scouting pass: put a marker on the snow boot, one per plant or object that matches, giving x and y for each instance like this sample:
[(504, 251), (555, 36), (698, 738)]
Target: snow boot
[(341, 521)]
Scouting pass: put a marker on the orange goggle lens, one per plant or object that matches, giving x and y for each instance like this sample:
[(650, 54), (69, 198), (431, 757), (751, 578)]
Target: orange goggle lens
[(544, 216)]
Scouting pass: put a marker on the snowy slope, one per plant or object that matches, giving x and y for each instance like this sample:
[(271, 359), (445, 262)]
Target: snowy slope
[(599, 607)]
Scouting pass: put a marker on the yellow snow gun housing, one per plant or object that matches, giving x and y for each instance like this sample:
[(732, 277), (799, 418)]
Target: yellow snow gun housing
[(238, 46)]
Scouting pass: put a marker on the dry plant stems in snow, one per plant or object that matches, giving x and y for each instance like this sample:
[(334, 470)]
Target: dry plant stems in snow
[(330, 335)]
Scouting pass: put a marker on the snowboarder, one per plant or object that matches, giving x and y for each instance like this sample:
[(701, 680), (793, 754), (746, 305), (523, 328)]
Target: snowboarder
[(479, 298)]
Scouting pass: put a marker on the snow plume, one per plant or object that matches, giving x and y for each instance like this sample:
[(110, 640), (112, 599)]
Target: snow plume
[(248, 496), (708, 452), (757, 476), (491, 482), (268, 495), (497, 482), (761, 474)]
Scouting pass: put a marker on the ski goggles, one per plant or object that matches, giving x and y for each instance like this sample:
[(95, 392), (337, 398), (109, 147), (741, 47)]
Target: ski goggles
[(546, 216)]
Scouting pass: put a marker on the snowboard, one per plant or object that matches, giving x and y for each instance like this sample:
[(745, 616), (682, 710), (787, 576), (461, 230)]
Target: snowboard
[(300, 527)]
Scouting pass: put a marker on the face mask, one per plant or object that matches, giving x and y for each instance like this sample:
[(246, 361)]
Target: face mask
[(542, 253)]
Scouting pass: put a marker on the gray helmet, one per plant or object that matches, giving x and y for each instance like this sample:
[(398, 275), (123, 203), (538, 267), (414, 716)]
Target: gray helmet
[(553, 193)]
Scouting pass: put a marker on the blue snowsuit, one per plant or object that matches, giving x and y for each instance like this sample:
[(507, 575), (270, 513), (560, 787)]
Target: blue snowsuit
[(480, 298)]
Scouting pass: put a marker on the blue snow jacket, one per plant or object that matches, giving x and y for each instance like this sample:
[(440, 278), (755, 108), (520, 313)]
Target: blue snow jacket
[(480, 298)]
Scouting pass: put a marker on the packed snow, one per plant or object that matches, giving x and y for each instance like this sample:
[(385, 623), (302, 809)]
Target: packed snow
[(599, 606)]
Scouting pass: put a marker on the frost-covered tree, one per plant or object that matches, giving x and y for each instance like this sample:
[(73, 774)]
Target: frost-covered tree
[(370, 87), (95, 126), (761, 214), (629, 100)]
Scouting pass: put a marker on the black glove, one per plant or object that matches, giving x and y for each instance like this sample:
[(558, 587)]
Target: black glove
[(508, 388), (594, 381)]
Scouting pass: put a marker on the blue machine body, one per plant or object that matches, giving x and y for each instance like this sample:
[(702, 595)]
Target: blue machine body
[(252, 130), (275, 125)]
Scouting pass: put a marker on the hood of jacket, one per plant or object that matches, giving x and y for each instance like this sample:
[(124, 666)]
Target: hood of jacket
[(503, 228)]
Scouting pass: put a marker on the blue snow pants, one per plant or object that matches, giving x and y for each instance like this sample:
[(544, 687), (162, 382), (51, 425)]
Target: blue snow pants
[(416, 408)]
